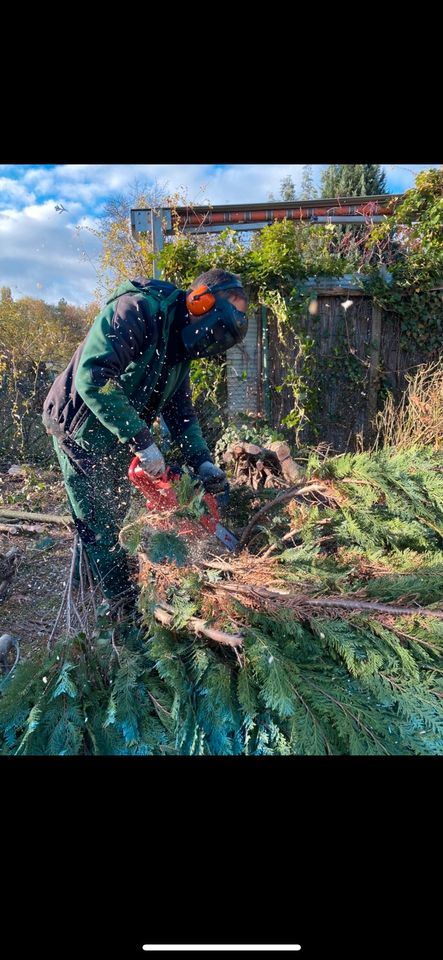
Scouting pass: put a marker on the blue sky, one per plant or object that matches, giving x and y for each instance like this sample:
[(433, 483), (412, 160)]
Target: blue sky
[(42, 254)]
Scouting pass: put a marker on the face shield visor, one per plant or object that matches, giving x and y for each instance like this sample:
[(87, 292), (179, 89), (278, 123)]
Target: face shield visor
[(216, 331)]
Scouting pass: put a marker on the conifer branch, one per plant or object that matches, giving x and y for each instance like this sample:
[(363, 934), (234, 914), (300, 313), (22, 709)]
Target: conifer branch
[(299, 600)]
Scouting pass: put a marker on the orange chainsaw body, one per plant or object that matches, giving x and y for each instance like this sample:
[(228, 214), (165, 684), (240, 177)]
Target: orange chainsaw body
[(162, 499)]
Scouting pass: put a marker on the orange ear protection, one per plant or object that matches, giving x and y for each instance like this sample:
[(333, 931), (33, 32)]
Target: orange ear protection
[(200, 301)]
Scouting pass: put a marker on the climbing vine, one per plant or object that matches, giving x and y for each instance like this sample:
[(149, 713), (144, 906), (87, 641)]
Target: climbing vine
[(273, 266), (410, 247), (399, 263)]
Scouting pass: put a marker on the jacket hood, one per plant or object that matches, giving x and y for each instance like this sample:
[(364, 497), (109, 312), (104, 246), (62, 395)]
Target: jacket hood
[(139, 284)]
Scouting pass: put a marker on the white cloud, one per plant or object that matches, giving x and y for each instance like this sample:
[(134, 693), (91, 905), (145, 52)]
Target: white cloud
[(40, 251), (86, 183), (42, 255), (250, 183), (14, 190)]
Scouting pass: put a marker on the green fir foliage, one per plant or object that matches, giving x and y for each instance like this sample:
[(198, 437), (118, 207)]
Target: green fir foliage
[(167, 547), (313, 683)]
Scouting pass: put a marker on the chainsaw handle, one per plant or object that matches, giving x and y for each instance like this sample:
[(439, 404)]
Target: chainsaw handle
[(158, 490), (161, 482)]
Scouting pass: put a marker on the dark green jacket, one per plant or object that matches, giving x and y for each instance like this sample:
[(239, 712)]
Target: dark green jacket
[(129, 368)]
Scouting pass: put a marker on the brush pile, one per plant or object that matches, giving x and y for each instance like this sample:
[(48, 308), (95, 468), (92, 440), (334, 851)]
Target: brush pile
[(322, 635)]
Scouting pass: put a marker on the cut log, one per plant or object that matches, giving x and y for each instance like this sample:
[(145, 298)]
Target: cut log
[(280, 449), (252, 449), (39, 517), (290, 470), (262, 467)]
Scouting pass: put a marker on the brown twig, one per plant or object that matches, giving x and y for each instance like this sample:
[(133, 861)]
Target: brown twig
[(60, 611), (80, 572), (165, 615), (13, 528), (218, 565), (114, 647), (158, 705), (68, 600), (274, 546), (39, 517), (294, 493), (70, 604)]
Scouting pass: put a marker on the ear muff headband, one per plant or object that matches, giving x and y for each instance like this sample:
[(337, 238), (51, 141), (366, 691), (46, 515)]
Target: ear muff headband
[(202, 299)]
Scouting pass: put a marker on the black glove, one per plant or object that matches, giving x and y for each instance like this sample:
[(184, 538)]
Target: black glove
[(213, 479)]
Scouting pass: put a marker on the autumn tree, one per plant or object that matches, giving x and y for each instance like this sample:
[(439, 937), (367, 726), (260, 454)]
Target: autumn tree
[(37, 339)]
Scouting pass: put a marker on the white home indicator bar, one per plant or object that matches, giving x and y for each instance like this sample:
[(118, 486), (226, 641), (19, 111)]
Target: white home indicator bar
[(188, 947)]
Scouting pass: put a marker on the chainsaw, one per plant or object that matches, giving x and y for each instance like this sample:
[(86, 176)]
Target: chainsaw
[(161, 497)]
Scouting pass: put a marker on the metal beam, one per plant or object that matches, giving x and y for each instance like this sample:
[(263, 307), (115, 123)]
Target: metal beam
[(255, 216), (219, 227), (372, 219), (383, 200)]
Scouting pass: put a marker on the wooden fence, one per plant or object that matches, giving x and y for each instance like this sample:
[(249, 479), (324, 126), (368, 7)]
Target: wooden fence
[(355, 358)]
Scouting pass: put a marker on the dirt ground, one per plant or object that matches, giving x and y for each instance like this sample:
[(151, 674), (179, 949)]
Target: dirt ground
[(43, 556)]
